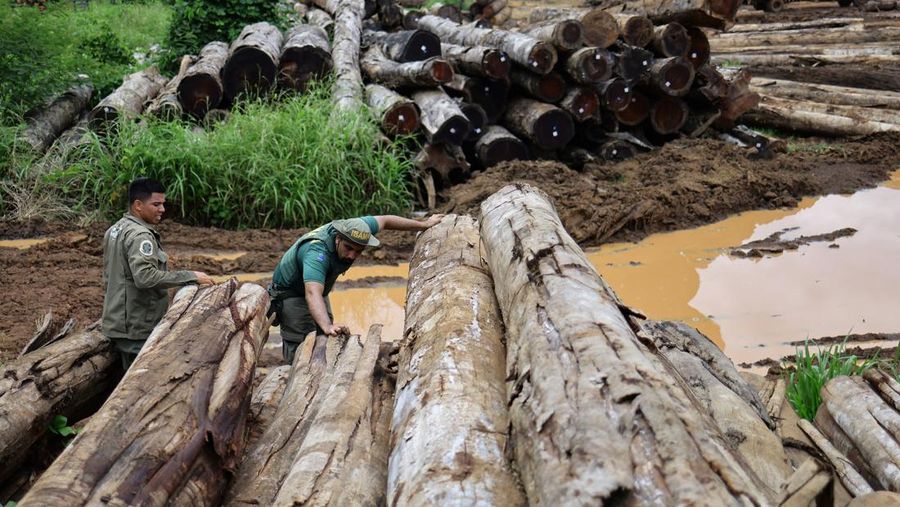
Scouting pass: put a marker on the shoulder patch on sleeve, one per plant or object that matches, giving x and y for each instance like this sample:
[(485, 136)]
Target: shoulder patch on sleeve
[(146, 247), (321, 257)]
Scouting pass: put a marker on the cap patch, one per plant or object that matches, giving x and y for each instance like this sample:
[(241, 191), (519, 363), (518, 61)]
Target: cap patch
[(146, 247), (360, 235)]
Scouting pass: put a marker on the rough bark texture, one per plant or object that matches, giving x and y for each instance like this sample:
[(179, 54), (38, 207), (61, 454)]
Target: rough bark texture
[(497, 144), (128, 100), (422, 74), (442, 120), (405, 46), (399, 115), (826, 94), (712, 13), (321, 19), (175, 424), (590, 65), (785, 115), (544, 124), (843, 468), (252, 59), (594, 420), (535, 55), (348, 87), (53, 380), (599, 27), (478, 60), (450, 418), (305, 56), (46, 124), (265, 402), (201, 88), (566, 34), (166, 104)]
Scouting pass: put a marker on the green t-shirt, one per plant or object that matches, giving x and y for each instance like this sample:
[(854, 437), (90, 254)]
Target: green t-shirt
[(315, 251)]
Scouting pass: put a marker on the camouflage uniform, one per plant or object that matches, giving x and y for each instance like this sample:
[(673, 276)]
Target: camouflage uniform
[(136, 279)]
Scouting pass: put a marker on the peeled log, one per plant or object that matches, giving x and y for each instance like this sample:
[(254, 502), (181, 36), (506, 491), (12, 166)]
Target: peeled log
[(49, 122), (422, 74), (532, 53), (826, 94), (442, 120), (399, 115), (866, 423), (201, 88), (477, 61), (127, 101), (450, 420), (173, 429), (305, 56), (590, 65), (57, 379), (718, 14), (491, 95), (581, 102), (565, 34), (497, 145), (543, 124), (252, 60), (593, 419), (788, 118), (550, 87), (599, 27), (166, 104)]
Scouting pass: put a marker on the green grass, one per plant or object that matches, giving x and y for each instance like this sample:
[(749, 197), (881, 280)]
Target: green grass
[(797, 147), (811, 371), (269, 165)]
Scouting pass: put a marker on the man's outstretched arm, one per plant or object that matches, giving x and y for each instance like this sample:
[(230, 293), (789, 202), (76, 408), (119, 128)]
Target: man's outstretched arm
[(395, 223)]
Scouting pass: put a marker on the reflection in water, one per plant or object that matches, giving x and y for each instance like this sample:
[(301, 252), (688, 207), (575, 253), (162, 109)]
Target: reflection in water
[(360, 308)]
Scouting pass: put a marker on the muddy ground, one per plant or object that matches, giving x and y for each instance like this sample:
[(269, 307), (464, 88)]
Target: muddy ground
[(684, 184)]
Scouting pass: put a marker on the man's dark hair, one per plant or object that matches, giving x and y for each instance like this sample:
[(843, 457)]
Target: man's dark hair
[(142, 188)]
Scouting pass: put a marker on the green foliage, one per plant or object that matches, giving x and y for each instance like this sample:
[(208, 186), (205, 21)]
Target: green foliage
[(10, 504), (813, 370), (60, 426), (291, 165), (43, 53), (196, 23)]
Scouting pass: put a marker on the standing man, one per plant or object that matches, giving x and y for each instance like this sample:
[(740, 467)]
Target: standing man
[(307, 272), (135, 274)]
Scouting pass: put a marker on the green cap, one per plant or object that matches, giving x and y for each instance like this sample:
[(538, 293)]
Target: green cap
[(357, 231)]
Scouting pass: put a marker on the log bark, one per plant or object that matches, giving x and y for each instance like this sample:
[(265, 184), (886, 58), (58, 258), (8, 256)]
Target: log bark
[(669, 40), (565, 35), (805, 59), (632, 62), (321, 19), (447, 11), (348, 86), (305, 56), (636, 29), (450, 421), (166, 104), (668, 115), (545, 125), (127, 101), (826, 94), (599, 27), (672, 76), (885, 385), (252, 60), (713, 14), (173, 428), (783, 116), (593, 419), (535, 55), (843, 468), (46, 124), (550, 87), (498, 145), (491, 95), (405, 46), (442, 120), (637, 110), (264, 402), (590, 65), (201, 88), (866, 423), (807, 486), (58, 379), (615, 94), (398, 114), (422, 74), (390, 15), (581, 102), (477, 61), (726, 42), (795, 25)]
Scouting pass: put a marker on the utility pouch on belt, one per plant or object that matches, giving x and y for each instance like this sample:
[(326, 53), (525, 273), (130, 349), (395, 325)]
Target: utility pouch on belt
[(276, 305)]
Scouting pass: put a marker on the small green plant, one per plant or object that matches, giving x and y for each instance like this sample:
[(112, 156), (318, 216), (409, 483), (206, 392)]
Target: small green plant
[(60, 426), (10, 504), (732, 63), (811, 371)]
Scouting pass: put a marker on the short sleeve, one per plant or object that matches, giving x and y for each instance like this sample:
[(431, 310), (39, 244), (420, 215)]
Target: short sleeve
[(372, 223), (316, 261)]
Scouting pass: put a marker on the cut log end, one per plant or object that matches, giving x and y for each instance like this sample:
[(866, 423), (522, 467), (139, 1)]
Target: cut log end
[(542, 58), (299, 66), (420, 46), (441, 71), (596, 65), (453, 131), (552, 87), (554, 129), (502, 150), (477, 119), (248, 71), (571, 34), (673, 76), (672, 40), (615, 94), (496, 64), (698, 51), (401, 119), (637, 110), (668, 115), (582, 103), (638, 31), (198, 94), (616, 151), (600, 28)]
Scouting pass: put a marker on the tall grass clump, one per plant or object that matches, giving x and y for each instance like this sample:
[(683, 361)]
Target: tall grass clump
[(288, 165), (813, 370)]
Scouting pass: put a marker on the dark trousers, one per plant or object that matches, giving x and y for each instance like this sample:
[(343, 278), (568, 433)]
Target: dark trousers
[(296, 324)]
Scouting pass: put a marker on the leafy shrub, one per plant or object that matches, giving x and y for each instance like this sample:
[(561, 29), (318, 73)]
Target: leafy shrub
[(104, 46)]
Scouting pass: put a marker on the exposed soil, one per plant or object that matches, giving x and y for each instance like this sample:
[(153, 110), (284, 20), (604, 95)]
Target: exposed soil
[(684, 184)]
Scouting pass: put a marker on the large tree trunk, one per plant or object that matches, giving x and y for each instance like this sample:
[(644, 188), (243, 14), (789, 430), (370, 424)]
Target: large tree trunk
[(127, 101), (672, 76), (590, 65), (201, 88), (175, 424), (599, 27), (855, 483), (45, 125), (321, 19), (594, 419), (252, 60), (809, 59), (477, 61), (535, 55), (419, 74), (581, 102), (728, 42), (450, 421), (826, 94), (543, 124), (550, 87), (698, 51), (491, 95), (58, 379), (305, 56), (405, 46), (636, 29), (498, 145), (398, 114), (711, 13), (442, 120), (565, 35), (264, 403), (166, 105), (782, 115), (348, 86)]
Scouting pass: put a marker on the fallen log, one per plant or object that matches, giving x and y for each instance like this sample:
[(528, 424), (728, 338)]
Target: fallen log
[(783, 116), (321, 19), (724, 42), (166, 104), (252, 60), (615, 94), (490, 94), (634, 436), (172, 428), (127, 101), (590, 65), (305, 56), (535, 55), (264, 402), (713, 14), (405, 46), (826, 94), (636, 29), (670, 40), (876, 499), (668, 115), (804, 59), (348, 86), (843, 468), (201, 88), (637, 110), (451, 416), (442, 120), (477, 61), (565, 35), (499, 20), (581, 102), (398, 114), (67, 377), (545, 125), (795, 25), (420, 74), (477, 119), (550, 87), (885, 385), (497, 145), (447, 11), (672, 76), (600, 28), (411, 19), (47, 123)]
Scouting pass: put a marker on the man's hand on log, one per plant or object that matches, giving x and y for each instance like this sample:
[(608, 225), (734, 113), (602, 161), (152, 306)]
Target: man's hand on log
[(336, 329), (203, 278)]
